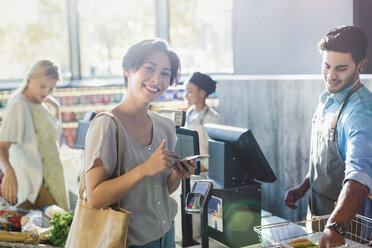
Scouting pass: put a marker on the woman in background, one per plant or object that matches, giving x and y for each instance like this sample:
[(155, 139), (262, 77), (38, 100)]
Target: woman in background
[(29, 136), (198, 88)]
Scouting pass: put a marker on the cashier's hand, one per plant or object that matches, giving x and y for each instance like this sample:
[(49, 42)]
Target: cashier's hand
[(9, 186), (330, 238), (184, 168), (292, 196)]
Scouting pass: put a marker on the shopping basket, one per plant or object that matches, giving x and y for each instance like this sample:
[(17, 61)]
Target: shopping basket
[(359, 232)]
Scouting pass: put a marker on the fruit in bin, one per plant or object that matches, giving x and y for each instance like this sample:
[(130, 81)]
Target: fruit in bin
[(10, 220), (302, 243)]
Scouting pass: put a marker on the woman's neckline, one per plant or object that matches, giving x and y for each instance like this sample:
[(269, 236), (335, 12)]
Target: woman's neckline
[(149, 114)]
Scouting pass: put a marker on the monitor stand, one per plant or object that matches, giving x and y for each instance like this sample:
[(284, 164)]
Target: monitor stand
[(187, 229)]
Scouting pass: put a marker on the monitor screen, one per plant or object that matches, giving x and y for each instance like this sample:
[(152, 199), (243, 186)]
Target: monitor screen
[(187, 144), (200, 187), (246, 149), (82, 129), (81, 132)]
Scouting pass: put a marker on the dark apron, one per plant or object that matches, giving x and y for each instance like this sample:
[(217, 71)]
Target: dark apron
[(327, 168)]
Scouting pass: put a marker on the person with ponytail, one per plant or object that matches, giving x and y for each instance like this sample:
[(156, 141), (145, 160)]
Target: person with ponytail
[(29, 140)]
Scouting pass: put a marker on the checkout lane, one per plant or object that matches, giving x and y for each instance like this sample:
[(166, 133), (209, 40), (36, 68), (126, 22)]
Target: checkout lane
[(266, 219), (232, 208)]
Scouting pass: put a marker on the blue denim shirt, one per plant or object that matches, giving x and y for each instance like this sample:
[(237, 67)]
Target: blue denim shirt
[(354, 133)]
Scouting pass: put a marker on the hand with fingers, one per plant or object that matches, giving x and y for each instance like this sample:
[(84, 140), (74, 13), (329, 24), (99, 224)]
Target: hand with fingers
[(161, 160), (292, 196), (184, 168), (330, 238), (10, 186), (296, 193)]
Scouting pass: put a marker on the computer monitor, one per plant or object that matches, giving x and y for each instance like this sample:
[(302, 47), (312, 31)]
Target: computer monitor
[(243, 146), (81, 133), (82, 129), (187, 144)]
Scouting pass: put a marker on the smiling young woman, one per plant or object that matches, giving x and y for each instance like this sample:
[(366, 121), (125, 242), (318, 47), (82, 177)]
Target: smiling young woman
[(150, 170)]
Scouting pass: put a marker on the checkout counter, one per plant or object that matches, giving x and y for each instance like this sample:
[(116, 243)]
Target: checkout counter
[(229, 200)]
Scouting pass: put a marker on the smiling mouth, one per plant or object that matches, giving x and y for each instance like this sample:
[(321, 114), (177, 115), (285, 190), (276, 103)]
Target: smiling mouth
[(333, 83), (152, 89)]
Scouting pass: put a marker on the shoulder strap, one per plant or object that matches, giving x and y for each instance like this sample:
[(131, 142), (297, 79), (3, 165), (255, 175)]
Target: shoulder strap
[(120, 152), (334, 125), (204, 114)]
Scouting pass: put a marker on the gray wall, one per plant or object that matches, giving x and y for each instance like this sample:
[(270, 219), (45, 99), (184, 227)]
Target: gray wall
[(281, 36), (363, 18), (278, 110)]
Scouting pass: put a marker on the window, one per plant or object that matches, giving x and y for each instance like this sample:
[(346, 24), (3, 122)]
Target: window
[(107, 28), (202, 37), (35, 29), (31, 30)]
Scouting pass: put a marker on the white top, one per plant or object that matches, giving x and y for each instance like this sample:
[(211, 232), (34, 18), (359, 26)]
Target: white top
[(153, 210), (18, 127), (196, 121)]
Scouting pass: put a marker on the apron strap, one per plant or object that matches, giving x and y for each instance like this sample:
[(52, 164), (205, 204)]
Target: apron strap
[(334, 125), (205, 113)]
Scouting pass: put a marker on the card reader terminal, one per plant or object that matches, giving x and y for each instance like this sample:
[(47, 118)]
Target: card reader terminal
[(198, 197)]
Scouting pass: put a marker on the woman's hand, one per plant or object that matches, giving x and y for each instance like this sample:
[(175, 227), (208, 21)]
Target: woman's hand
[(160, 161), (184, 168), (9, 186)]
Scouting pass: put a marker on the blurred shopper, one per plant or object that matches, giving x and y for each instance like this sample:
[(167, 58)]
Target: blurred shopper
[(150, 171), (341, 140), (29, 136), (198, 88)]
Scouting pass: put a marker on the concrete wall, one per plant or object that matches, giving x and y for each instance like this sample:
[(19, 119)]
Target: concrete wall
[(281, 36), (278, 110), (363, 18)]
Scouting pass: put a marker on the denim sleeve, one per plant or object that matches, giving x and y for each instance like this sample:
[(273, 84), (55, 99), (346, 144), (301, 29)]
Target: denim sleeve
[(359, 149)]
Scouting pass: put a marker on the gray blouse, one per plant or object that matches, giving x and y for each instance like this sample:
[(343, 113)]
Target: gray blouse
[(152, 209)]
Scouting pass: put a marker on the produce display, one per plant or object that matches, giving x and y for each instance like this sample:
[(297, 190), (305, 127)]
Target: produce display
[(10, 219), (302, 243), (60, 226), (33, 226)]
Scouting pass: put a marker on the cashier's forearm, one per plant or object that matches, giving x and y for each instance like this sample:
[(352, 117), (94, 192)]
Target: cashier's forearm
[(305, 185), (349, 203)]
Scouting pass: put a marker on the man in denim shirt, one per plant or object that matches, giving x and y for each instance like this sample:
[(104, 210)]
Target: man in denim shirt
[(341, 139)]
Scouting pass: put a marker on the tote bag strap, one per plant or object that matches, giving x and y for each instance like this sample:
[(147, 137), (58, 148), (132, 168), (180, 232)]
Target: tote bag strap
[(120, 153)]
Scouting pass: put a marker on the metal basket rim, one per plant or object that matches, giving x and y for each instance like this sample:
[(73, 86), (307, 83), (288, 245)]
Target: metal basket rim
[(314, 218)]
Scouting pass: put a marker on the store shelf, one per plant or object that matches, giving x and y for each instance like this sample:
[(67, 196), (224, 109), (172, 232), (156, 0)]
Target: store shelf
[(70, 124), (95, 96), (86, 107)]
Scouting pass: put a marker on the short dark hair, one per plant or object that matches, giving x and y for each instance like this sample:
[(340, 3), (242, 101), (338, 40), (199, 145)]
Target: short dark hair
[(346, 39), (137, 53)]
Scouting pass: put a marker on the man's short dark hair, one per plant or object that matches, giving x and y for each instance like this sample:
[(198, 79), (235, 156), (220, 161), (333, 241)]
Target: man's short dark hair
[(136, 54), (346, 39)]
